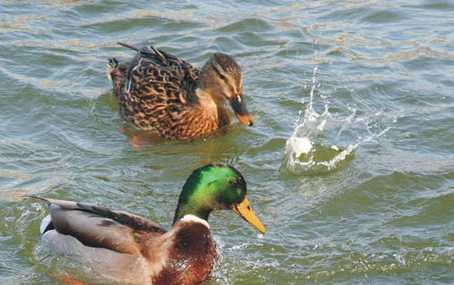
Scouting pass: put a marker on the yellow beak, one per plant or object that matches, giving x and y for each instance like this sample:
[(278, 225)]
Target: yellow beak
[(244, 210)]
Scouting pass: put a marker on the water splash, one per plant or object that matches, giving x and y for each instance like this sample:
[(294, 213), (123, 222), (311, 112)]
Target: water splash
[(310, 149)]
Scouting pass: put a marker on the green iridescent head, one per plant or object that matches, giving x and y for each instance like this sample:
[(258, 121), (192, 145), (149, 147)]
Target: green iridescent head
[(216, 187)]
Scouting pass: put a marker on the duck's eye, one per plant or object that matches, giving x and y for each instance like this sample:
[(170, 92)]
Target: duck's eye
[(222, 76), (218, 69), (234, 182)]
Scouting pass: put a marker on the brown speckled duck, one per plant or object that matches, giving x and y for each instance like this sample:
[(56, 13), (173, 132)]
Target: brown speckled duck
[(164, 95), (124, 248)]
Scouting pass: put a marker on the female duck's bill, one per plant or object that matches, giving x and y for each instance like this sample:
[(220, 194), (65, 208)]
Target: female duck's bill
[(125, 248), (241, 112)]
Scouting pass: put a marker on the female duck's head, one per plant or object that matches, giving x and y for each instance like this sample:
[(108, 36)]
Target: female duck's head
[(216, 187), (221, 78)]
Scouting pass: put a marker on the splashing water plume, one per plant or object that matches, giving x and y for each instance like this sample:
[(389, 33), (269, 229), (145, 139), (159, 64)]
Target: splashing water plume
[(309, 150)]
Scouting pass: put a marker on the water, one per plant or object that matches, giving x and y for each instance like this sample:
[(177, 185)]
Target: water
[(370, 78)]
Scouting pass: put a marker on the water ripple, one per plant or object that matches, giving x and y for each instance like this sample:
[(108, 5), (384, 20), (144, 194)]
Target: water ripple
[(384, 72)]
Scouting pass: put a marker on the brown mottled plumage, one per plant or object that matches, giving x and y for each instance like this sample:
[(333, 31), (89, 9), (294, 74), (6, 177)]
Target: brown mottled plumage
[(164, 95)]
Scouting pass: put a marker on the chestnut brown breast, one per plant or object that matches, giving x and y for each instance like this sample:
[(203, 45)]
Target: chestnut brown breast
[(191, 258)]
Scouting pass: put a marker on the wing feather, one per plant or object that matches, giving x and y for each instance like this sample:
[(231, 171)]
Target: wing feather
[(152, 70), (98, 226)]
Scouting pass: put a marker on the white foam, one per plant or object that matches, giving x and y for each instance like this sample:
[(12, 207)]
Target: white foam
[(306, 137), (194, 219), (317, 132), (300, 145)]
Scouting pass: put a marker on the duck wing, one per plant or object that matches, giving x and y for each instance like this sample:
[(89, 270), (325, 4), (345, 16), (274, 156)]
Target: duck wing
[(98, 226), (154, 74)]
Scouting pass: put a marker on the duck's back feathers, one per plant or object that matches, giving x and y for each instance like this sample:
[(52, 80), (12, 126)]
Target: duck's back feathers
[(155, 73), (97, 226), (157, 93), (122, 217)]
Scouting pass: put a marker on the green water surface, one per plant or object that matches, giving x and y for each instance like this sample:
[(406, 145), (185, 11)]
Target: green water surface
[(385, 217)]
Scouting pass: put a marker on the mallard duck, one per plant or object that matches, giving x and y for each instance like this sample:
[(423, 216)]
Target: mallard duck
[(164, 95), (121, 247)]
